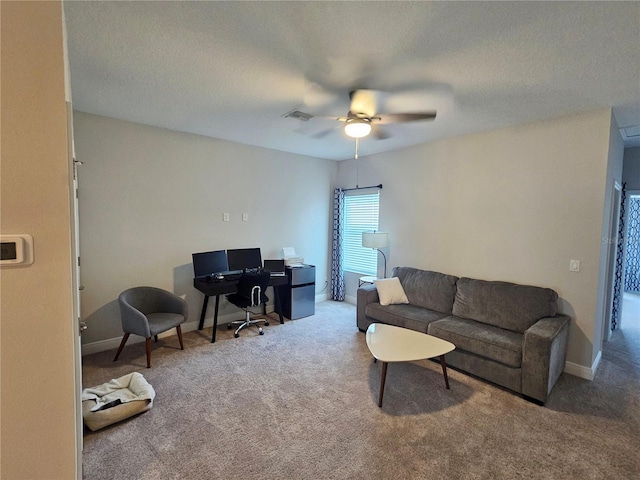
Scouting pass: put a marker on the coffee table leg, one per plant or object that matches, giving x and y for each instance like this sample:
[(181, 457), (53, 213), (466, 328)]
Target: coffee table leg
[(383, 377), (444, 370)]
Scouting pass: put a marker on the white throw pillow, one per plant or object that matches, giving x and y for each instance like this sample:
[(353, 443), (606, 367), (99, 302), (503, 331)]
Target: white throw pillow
[(390, 291)]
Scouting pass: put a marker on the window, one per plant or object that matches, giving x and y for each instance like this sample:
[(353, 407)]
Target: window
[(361, 215)]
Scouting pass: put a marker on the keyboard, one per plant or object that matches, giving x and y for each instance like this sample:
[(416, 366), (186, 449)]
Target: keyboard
[(230, 277)]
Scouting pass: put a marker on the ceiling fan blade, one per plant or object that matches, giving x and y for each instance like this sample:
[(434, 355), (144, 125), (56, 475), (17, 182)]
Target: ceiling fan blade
[(322, 133), (405, 117), (364, 102), (323, 98), (380, 133), (306, 116)]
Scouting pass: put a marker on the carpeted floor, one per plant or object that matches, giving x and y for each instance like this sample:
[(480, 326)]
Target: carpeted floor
[(300, 402)]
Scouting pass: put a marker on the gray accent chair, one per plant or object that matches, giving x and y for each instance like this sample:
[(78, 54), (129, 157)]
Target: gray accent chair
[(149, 311)]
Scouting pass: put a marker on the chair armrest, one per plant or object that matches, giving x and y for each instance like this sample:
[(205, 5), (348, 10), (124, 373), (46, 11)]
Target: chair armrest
[(133, 320), (366, 294), (544, 352), (172, 303)]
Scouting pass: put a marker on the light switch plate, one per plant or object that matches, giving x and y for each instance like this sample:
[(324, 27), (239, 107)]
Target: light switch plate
[(245, 217), (574, 265)]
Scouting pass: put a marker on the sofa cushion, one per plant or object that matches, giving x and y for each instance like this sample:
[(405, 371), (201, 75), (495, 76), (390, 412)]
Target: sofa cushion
[(408, 316), (502, 304), (390, 291), (427, 289), (487, 341)]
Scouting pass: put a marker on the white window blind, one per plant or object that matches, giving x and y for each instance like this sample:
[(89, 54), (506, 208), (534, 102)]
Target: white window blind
[(361, 215)]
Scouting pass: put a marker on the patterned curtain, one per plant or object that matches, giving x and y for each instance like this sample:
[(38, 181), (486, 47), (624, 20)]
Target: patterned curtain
[(632, 258), (617, 285), (337, 274)]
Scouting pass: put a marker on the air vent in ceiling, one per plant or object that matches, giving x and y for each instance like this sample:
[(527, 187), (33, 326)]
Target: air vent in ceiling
[(303, 117)]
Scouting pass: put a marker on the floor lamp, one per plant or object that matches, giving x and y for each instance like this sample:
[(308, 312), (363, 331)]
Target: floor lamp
[(377, 240)]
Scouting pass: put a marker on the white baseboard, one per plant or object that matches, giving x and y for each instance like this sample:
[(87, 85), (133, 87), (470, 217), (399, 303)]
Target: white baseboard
[(352, 300), (109, 344), (113, 343), (588, 373)]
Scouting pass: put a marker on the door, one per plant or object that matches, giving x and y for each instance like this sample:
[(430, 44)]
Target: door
[(612, 250), (78, 326)]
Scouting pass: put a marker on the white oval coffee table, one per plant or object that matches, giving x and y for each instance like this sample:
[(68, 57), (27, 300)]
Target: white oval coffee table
[(388, 343)]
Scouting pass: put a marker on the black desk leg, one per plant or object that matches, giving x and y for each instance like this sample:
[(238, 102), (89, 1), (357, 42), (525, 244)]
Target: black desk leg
[(215, 320), (204, 311), (277, 300)]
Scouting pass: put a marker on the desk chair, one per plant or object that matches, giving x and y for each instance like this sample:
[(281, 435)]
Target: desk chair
[(148, 311), (250, 293)]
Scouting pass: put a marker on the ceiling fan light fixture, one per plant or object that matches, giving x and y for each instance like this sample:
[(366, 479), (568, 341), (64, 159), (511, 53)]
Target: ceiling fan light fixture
[(357, 128)]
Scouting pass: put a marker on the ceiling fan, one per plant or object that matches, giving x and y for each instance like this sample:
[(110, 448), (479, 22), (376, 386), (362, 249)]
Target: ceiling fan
[(363, 116)]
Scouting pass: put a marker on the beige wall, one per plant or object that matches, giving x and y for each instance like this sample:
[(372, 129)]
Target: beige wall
[(150, 197), (37, 386), (514, 204)]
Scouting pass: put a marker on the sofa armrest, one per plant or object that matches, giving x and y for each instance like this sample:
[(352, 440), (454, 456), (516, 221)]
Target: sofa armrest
[(366, 294), (544, 351)]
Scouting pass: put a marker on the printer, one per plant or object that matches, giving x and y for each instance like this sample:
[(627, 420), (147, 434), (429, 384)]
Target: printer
[(288, 254)]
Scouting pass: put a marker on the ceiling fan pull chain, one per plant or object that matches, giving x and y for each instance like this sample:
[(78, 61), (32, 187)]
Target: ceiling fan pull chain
[(357, 143)]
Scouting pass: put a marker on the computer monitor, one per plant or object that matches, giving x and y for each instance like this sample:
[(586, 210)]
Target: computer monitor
[(244, 258), (207, 263)]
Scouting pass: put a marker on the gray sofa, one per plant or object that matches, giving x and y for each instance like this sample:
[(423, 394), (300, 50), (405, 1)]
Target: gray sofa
[(506, 333)]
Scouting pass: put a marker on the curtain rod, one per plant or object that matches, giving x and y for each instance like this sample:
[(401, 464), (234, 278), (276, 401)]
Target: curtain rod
[(362, 188)]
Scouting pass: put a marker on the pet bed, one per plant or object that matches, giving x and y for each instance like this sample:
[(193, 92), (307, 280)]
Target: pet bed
[(116, 400)]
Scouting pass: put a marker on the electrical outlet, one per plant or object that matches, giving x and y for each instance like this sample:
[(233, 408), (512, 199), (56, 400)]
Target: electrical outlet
[(574, 265), (245, 217), (225, 217)]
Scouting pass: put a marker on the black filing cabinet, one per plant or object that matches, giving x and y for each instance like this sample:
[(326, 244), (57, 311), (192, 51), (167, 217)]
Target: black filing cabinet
[(298, 297)]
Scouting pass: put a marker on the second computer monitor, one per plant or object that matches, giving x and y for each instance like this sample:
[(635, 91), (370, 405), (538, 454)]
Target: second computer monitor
[(244, 258)]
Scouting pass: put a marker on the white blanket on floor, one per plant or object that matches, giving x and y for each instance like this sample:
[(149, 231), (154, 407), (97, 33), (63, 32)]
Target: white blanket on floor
[(129, 388)]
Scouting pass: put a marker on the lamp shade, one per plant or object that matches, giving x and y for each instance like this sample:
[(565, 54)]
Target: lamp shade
[(375, 239), (357, 128)]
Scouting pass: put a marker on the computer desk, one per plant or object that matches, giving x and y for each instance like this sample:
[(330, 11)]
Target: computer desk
[(224, 287)]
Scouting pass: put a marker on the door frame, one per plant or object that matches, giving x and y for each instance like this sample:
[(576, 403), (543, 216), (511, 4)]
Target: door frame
[(75, 287)]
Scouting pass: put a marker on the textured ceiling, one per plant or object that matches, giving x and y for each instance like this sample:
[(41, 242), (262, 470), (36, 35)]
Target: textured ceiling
[(231, 70)]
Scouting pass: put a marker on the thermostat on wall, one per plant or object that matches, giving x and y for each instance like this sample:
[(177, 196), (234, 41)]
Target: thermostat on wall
[(16, 249)]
